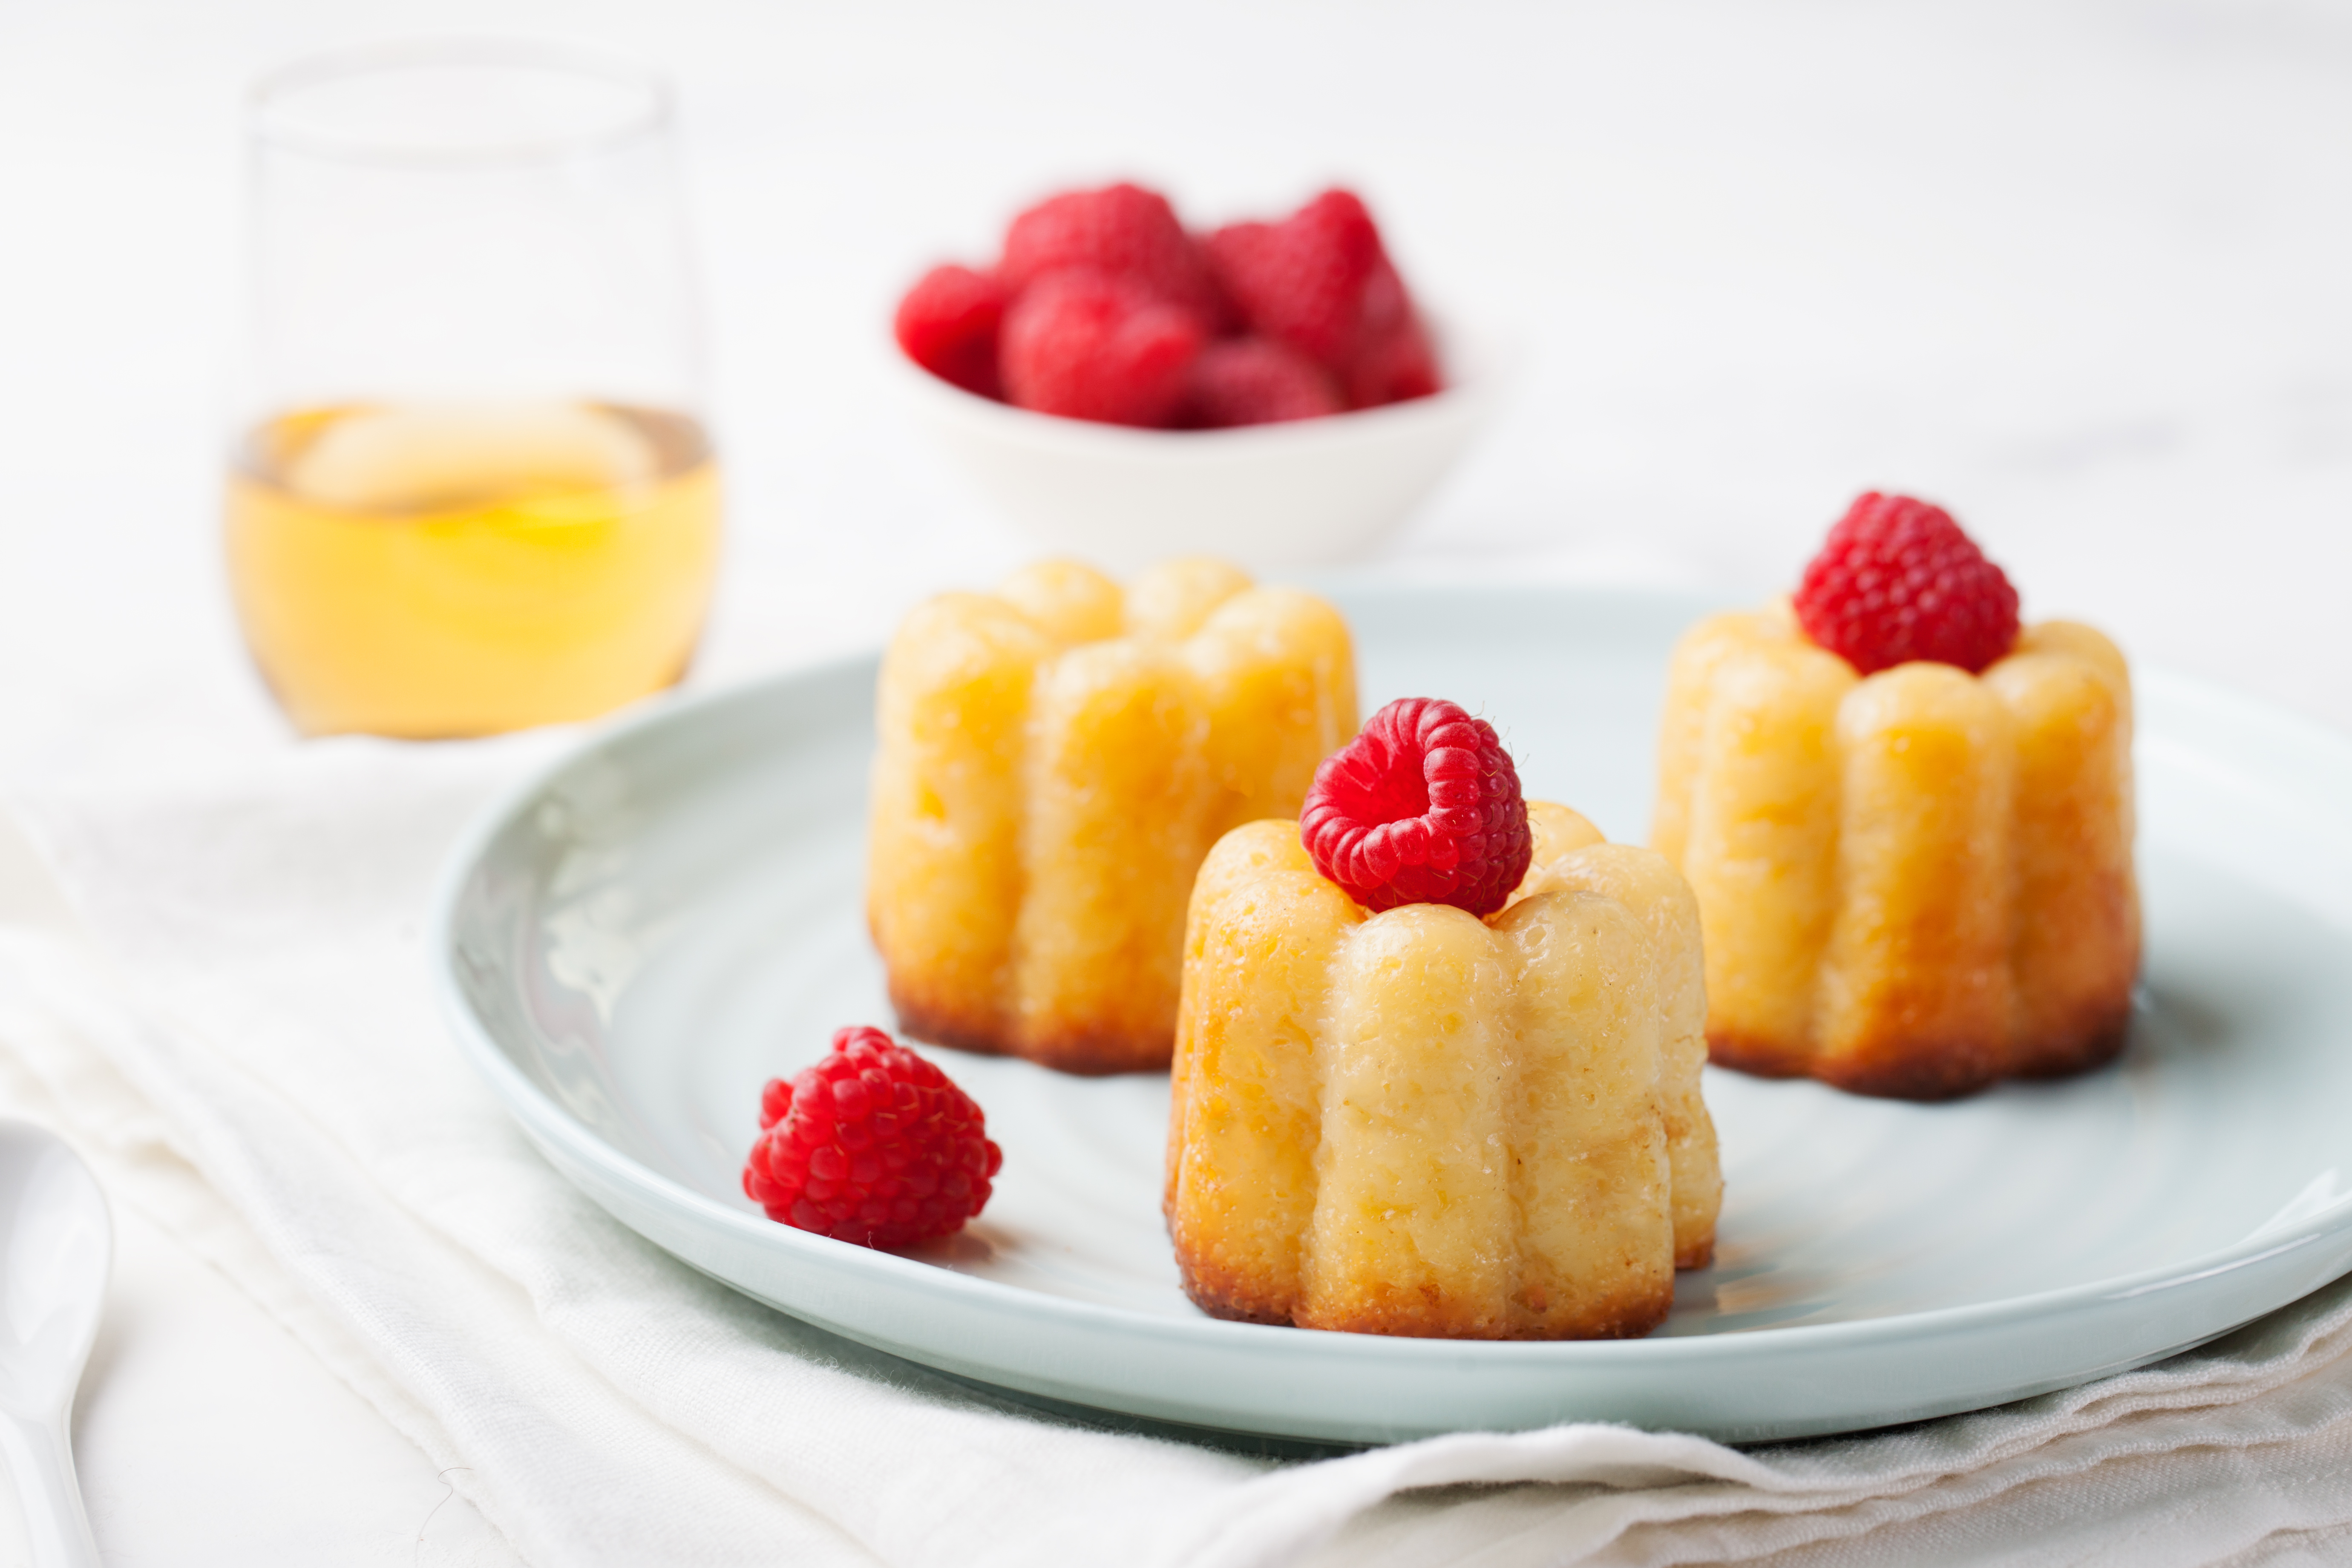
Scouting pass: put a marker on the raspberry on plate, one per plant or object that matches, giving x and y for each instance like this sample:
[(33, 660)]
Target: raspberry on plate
[(1122, 231), (1423, 806), (1086, 346), (1257, 381), (873, 1145), (947, 324), (1898, 581)]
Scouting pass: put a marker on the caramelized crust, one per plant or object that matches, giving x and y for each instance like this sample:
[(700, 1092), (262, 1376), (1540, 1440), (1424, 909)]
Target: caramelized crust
[(1912, 884), (1053, 761), (1421, 1124)]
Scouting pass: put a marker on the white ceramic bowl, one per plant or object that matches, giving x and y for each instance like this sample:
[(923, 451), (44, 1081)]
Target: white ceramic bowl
[(1305, 492)]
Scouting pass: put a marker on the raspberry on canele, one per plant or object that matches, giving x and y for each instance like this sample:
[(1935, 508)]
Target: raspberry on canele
[(1898, 581), (1423, 806), (1908, 820)]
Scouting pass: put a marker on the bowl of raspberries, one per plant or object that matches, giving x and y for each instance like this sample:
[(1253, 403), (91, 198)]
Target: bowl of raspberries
[(1121, 388)]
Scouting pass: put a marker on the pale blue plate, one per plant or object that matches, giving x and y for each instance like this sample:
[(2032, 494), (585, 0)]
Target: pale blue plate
[(636, 941)]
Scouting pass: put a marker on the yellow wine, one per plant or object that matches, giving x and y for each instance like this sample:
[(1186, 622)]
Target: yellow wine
[(459, 569)]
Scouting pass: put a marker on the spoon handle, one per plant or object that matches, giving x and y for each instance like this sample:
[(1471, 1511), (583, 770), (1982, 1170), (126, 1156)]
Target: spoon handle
[(41, 1457)]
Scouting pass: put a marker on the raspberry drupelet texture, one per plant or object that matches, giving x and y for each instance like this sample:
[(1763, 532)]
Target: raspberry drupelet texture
[(1398, 365), (1898, 581), (1256, 381), (1321, 282), (947, 324), (1121, 231), (1102, 307), (1087, 346), (1423, 806), (873, 1145)]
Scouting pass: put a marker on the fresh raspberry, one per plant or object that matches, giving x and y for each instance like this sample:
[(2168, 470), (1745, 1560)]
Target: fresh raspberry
[(1397, 365), (1122, 231), (873, 1145), (1256, 381), (1422, 807), (1895, 581), (1320, 281), (1303, 280), (947, 324), (1089, 347)]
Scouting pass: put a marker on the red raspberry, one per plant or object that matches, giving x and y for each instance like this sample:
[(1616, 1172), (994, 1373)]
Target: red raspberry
[(1303, 280), (1896, 580), (873, 1145), (1256, 381), (1122, 231), (1087, 347), (947, 324), (1423, 806), (1397, 365), (1320, 281)]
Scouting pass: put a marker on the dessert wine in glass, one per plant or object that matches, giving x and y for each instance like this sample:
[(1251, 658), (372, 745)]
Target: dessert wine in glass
[(472, 489)]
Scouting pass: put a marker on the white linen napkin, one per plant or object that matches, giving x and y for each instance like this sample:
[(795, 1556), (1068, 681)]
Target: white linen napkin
[(252, 1002)]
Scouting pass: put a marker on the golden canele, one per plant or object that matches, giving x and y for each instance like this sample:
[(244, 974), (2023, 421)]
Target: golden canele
[(1420, 1122), (1053, 761), (1912, 883)]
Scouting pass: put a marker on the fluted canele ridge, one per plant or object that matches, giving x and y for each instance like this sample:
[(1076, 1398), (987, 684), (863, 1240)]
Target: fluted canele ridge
[(1053, 760), (1912, 883), (1419, 1123)]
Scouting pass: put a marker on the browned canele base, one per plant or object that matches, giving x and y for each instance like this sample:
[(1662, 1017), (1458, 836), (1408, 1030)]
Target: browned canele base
[(1222, 1294), (1091, 1055), (1925, 1069), (2098, 1041), (1757, 1058), (1914, 1070), (1424, 1312)]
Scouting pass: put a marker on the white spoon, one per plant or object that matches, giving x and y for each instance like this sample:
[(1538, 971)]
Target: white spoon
[(56, 1245)]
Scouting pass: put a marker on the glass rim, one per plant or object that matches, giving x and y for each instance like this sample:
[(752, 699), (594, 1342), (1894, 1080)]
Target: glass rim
[(266, 101)]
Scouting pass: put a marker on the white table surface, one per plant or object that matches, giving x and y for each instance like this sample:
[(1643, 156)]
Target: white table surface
[(2080, 271)]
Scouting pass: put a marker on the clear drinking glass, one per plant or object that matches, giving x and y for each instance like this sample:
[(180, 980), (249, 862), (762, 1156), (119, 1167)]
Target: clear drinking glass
[(471, 489)]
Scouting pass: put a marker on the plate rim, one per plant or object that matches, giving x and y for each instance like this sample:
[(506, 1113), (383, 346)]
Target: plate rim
[(549, 1122)]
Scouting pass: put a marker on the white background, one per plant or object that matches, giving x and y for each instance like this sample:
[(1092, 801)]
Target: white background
[(2077, 271)]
